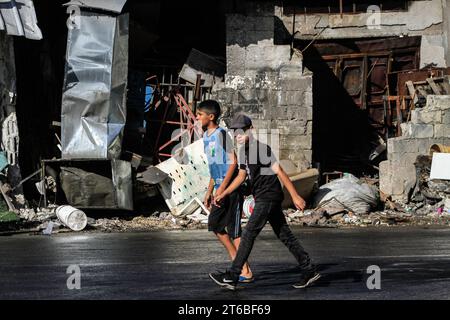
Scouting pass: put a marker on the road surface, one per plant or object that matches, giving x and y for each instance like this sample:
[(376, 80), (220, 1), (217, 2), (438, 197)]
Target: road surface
[(414, 264)]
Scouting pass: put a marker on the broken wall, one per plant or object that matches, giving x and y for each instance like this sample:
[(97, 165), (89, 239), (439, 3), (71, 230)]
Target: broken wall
[(266, 81), (8, 119), (429, 125), (426, 18)]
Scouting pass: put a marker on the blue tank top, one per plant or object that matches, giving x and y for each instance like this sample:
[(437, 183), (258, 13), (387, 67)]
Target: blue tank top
[(216, 154)]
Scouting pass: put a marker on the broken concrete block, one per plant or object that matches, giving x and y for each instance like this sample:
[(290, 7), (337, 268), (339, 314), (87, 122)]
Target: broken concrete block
[(425, 144), (417, 130), (446, 117), (402, 145), (385, 177), (441, 102), (442, 130), (420, 116)]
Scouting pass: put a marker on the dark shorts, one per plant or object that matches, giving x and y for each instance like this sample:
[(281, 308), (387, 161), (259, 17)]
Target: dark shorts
[(227, 217)]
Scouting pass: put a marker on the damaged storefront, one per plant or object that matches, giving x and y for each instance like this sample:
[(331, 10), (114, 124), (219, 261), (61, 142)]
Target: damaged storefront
[(98, 95)]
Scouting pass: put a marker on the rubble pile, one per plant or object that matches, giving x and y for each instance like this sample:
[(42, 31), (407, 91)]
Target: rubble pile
[(429, 199), (157, 221), (429, 196), (323, 218), (40, 214)]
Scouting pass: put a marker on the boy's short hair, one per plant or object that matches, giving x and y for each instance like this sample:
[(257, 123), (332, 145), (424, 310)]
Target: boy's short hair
[(210, 107)]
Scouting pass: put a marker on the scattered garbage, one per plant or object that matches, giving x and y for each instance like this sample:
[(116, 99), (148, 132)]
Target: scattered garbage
[(49, 229), (347, 193), (71, 217), (248, 206)]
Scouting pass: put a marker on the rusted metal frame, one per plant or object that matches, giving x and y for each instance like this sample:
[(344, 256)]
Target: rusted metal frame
[(190, 116), (387, 109), (173, 139), (364, 83), (399, 116), (165, 155), (338, 69), (160, 131), (370, 54), (341, 8), (356, 55), (387, 116), (373, 67), (167, 122)]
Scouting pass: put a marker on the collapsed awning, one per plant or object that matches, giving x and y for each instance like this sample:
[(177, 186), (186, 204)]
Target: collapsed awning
[(19, 19), (108, 5)]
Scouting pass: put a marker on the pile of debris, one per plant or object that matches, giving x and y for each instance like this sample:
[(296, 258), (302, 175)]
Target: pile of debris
[(430, 197), (344, 201), (322, 218), (46, 221), (157, 221)]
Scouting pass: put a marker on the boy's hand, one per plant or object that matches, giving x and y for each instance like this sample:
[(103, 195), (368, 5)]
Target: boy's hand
[(219, 191), (219, 198), (207, 201), (299, 202)]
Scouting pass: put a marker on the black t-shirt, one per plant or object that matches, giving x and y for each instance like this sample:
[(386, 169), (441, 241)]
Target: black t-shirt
[(257, 159)]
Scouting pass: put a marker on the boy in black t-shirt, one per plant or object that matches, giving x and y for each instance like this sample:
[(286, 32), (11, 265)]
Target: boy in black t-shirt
[(258, 162)]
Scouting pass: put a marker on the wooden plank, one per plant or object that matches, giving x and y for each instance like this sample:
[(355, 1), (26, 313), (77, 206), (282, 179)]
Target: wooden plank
[(422, 92), (412, 91), (433, 86)]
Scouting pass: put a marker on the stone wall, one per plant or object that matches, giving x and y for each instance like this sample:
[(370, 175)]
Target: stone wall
[(428, 126), (266, 81)]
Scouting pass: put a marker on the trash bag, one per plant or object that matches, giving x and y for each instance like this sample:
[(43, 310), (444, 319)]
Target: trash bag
[(347, 193)]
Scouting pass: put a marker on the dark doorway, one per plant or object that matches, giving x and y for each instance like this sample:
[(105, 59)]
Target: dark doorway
[(350, 78)]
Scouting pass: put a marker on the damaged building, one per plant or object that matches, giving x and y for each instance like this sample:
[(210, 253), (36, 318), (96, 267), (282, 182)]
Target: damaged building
[(94, 90)]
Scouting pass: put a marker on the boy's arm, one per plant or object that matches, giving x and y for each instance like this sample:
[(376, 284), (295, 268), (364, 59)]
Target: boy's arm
[(298, 201), (208, 194), (233, 164), (233, 186)]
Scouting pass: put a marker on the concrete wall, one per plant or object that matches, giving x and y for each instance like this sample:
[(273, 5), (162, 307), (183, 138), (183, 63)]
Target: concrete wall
[(446, 29), (426, 18), (267, 83), (428, 126)]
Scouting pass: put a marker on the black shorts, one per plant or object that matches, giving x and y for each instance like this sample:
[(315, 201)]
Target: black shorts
[(227, 216)]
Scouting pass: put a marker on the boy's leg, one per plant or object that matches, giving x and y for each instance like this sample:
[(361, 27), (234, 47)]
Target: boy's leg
[(254, 226), (234, 226), (279, 225), (217, 222)]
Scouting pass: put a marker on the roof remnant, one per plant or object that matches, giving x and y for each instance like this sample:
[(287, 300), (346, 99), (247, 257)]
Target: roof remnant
[(108, 5)]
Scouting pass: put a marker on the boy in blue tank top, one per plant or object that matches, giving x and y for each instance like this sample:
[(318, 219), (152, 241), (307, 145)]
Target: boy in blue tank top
[(225, 218)]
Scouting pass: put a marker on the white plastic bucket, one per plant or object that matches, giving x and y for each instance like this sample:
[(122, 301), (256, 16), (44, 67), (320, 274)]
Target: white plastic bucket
[(247, 207), (71, 217)]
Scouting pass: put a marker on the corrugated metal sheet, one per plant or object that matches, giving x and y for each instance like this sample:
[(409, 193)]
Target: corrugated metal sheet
[(19, 19), (93, 111)]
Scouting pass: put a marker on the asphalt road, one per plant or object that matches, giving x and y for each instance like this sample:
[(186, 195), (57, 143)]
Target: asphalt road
[(414, 263)]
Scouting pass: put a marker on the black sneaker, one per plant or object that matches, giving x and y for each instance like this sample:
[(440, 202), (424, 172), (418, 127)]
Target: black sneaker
[(224, 279), (307, 278)]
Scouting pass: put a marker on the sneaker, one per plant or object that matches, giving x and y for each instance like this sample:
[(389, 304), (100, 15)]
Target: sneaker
[(307, 278), (243, 279), (224, 279)]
